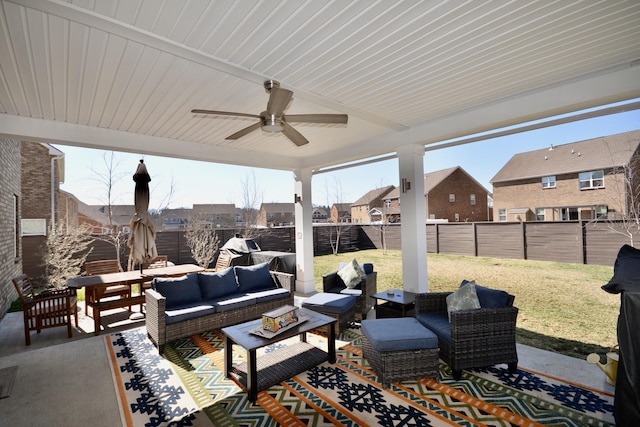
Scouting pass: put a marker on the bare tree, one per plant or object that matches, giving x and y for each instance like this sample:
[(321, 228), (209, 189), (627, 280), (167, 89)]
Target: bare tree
[(65, 254), (203, 240), (252, 196), (335, 197), (626, 179), (108, 178)]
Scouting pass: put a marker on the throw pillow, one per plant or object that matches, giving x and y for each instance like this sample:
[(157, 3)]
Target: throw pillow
[(178, 291), (626, 271), (253, 277), (352, 274), (465, 298), (220, 283)]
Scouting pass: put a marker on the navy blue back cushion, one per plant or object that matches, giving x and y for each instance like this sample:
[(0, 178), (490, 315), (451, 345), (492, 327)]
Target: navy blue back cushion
[(490, 298), (253, 277), (178, 291), (220, 283)]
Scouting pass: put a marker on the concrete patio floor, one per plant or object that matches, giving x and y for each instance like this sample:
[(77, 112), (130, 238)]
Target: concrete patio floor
[(67, 382)]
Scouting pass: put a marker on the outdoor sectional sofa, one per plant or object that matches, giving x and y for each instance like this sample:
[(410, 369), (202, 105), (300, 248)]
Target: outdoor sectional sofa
[(198, 302)]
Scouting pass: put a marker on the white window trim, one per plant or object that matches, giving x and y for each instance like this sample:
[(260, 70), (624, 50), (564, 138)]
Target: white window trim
[(548, 183), (590, 180)]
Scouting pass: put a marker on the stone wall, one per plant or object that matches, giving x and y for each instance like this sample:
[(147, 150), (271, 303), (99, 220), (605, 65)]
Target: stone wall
[(10, 243)]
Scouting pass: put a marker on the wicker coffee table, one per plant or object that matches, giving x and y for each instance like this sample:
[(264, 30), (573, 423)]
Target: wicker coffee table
[(260, 373)]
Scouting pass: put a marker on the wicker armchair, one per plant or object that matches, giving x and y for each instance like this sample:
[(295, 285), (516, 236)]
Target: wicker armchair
[(48, 309), (478, 338), (333, 283)]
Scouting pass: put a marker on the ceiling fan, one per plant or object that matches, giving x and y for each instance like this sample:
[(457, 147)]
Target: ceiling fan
[(273, 118)]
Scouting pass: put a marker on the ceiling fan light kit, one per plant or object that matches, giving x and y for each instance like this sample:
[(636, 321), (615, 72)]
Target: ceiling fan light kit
[(274, 120)]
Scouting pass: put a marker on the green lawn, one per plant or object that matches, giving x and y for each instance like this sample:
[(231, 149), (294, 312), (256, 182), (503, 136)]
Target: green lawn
[(562, 307)]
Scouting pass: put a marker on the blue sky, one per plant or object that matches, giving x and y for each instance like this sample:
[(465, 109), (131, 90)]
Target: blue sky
[(201, 182)]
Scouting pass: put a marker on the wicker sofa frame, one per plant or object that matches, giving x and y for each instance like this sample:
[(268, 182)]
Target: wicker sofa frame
[(160, 333), (479, 338)]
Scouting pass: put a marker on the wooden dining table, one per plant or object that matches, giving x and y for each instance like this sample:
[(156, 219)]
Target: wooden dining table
[(96, 285)]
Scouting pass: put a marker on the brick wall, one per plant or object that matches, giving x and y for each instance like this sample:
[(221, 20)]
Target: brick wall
[(36, 174), (10, 265), (530, 194), (462, 187)]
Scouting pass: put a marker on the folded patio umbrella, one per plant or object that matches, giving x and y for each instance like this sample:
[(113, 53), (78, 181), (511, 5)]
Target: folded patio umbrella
[(142, 240)]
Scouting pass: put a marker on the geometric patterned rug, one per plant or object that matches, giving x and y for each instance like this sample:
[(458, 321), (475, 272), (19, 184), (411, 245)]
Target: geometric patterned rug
[(187, 387)]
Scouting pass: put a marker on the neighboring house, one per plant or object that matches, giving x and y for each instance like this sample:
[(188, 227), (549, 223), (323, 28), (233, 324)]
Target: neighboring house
[(217, 215), (340, 212), (361, 208), (276, 214), (121, 215), (390, 210), (578, 181), (319, 215), (453, 195), (74, 214), (175, 219)]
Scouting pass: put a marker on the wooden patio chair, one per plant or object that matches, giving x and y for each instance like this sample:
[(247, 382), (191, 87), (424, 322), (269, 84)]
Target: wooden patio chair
[(223, 261), (48, 309), (157, 262), (106, 266)]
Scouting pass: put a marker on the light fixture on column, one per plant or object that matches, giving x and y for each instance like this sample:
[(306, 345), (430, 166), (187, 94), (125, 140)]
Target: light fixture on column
[(406, 185), (297, 199)]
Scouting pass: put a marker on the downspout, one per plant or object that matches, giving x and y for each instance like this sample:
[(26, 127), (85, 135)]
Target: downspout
[(53, 192)]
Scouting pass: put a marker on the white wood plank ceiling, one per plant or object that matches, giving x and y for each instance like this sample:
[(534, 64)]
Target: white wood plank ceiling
[(124, 74)]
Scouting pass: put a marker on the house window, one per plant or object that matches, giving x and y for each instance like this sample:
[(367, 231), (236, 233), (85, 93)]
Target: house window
[(539, 214), (593, 179), (456, 217), (387, 203), (569, 214), (502, 214), (601, 212), (549, 181), (472, 198), (452, 197)]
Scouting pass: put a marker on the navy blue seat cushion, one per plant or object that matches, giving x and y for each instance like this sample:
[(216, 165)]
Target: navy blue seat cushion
[(253, 277), (438, 323), (398, 334), (626, 271), (231, 302), (214, 285), (330, 303), (178, 291), (269, 294), (489, 298), (180, 314)]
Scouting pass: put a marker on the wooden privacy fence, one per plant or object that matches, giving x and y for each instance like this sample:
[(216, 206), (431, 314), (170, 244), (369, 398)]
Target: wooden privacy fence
[(568, 241)]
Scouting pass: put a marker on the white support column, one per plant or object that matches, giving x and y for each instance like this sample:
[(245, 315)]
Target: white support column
[(305, 282), (412, 205)]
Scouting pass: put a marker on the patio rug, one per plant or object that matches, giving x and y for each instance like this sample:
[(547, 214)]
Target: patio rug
[(187, 387)]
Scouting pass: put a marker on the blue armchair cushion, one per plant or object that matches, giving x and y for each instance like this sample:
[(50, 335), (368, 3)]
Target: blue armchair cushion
[(330, 303), (438, 323), (220, 283), (398, 334), (179, 291), (253, 277), (489, 298)]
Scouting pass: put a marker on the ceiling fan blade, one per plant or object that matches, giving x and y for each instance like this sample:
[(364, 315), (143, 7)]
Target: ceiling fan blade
[(293, 134), (278, 100), (245, 131), (225, 113), (317, 118)]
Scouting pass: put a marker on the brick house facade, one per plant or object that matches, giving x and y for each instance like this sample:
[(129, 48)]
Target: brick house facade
[(372, 201), (275, 214), (454, 195), (10, 211), (583, 180)]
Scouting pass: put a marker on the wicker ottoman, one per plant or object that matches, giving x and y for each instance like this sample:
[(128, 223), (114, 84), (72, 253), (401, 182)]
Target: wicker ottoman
[(340, 307), (400, 349)]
